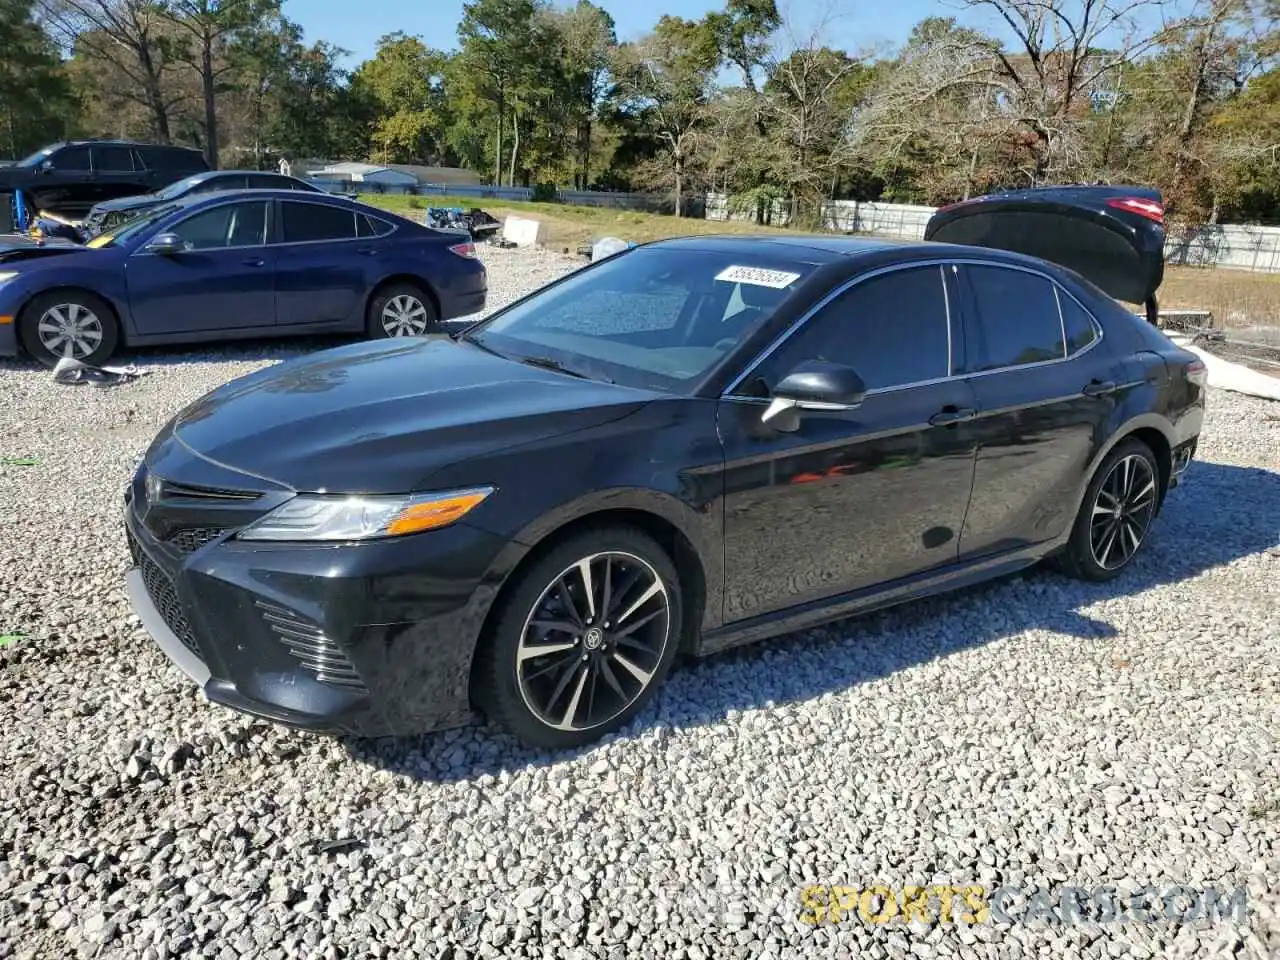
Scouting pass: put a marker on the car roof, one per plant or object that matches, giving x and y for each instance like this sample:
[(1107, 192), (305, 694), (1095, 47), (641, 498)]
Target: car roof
[(820, 248), (206, 174), (275, 193)]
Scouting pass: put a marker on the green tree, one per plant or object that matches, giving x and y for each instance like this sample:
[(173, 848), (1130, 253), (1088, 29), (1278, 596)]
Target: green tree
[(499, 42), (668, 77), (204, 30), (405, 83), (36, 102)]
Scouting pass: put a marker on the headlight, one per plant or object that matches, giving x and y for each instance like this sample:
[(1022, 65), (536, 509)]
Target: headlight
[(7, 275), (310, 517)]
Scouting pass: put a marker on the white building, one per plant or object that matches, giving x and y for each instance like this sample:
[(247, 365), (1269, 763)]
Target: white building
[(366, 173)]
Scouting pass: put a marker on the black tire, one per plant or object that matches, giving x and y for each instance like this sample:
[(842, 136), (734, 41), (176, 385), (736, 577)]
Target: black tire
[(1116, 514), (73, 309), (592, 678), (412, 304)]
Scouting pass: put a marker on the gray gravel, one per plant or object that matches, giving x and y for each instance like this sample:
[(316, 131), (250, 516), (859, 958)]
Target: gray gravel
[(1033, 732)]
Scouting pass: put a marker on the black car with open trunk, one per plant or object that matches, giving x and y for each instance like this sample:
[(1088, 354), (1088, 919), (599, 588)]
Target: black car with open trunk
[(689, 445)]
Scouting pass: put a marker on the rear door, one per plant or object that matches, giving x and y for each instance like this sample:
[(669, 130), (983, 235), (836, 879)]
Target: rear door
[(223, 281), (324, 266), (114, 174), (1046, 385)]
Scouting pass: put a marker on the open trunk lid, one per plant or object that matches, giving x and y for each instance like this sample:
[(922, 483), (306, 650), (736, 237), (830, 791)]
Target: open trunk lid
[(1112, 236)]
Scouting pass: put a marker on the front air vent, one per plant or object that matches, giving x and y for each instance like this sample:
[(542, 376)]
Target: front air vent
[(306, 641), (191, 539), (169, 490)]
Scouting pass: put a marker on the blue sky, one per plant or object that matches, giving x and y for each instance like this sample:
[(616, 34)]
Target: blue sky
[(356, 25)]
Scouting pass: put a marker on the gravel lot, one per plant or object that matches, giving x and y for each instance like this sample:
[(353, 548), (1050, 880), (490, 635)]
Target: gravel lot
[(1034, 732)]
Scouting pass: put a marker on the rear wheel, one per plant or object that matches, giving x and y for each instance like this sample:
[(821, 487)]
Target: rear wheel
[(69, 324), (1116, 514), (583, 641), (401, 310)]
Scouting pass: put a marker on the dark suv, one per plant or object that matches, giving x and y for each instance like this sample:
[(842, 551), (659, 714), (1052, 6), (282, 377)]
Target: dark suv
[(69, 178)]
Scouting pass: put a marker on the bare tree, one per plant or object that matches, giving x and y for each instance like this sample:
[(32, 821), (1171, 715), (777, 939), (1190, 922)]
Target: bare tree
[(1062, 49), (128, 34)]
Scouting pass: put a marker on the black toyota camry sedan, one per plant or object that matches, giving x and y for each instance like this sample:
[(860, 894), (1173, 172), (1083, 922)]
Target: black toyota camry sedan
[(689, 445)]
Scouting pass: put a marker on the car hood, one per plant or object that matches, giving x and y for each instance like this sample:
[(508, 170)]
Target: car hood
[(17, 246), (382, 417), (125, 203), (1113, 236)]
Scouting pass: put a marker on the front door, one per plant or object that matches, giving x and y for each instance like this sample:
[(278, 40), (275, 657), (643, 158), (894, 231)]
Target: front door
[(222, 281), (1046, 385), (856, 498)]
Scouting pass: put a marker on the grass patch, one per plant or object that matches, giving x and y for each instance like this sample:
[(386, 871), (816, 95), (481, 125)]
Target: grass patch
[(1237, 298)]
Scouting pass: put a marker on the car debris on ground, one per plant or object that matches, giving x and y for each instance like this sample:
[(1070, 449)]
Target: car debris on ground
[(478, 223), (75, 373)]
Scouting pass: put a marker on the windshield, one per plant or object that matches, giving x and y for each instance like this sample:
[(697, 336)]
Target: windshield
[(178, 189), (652, 317), (132, 227), (35, 158)]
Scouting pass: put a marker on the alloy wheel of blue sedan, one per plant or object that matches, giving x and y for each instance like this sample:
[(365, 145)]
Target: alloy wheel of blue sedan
[(405, 316), (69, 330)]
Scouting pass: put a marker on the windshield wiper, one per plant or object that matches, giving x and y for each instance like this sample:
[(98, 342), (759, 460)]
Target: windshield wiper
[(550, 363)]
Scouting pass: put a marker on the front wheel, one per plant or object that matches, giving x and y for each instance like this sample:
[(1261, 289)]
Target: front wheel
[(401, 310), (1116, 514), (69, 324), (583, 641)]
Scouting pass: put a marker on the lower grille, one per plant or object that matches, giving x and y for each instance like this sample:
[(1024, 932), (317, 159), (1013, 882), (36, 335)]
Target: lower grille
[(191, 539), (306, 641), (161, 590)]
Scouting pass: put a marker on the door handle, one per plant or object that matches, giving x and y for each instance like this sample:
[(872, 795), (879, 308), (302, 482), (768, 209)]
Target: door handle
[(253, 262), (1099, 388), (949, 414)]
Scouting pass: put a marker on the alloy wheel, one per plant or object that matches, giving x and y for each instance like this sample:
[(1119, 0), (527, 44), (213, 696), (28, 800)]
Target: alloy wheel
[(593, 641), (405, 316), (70, 330), (1122, 511)]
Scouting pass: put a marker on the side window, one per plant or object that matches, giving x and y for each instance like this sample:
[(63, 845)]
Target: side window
[(1076, 323), (313, 221), (367, 226), (213, 184), (70, 158), (230, 225), (1018, 320), (267, 181), (113, 159), (892, 329)]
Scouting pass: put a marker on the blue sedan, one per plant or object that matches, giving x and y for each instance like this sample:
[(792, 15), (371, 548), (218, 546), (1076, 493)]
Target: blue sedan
[(248, 263)]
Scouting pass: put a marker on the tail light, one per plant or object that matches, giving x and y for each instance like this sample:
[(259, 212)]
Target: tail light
[(1197, 372), (1151, 209), (467, 249)]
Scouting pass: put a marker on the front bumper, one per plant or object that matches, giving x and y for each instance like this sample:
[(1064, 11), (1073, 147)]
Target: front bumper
[(371, 639), (8, 336)]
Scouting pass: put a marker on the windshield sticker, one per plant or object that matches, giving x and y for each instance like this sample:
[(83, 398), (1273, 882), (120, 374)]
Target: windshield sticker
[(758, 276)]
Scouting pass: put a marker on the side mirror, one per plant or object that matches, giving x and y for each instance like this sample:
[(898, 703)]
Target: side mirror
[(817, 386), (46, 166), (167, 244)]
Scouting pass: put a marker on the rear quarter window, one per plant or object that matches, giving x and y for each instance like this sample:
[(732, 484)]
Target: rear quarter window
[(1077, 325)]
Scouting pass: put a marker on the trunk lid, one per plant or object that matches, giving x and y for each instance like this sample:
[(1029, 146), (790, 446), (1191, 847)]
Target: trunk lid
[(1111, 236)]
